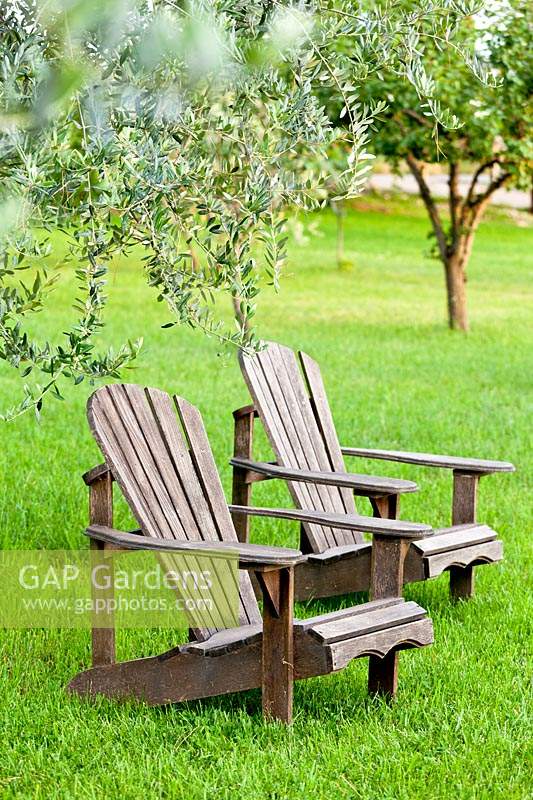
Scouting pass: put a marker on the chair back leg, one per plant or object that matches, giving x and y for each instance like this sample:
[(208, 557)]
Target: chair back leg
[(241, 493), (101, 513)]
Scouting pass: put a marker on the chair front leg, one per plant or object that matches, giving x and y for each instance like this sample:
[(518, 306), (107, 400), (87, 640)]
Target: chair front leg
[(278, 643), (464, 510), (388, 557)]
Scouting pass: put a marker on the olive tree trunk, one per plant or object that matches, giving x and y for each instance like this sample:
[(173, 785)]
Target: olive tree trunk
[(454, 245), (454, 269), (339, 210)]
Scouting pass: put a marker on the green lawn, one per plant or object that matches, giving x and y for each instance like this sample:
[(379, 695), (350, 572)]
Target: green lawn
[(397, 378)]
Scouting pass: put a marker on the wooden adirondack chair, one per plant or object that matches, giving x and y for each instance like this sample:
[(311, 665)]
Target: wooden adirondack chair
[(167, 474), (294, 410)]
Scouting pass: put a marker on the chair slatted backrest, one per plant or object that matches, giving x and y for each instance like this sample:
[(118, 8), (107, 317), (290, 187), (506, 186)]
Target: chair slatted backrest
[(166, 472), (298, 422)]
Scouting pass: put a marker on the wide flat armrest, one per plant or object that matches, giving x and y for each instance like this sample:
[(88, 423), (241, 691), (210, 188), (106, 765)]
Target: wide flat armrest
[(393, 528), (249, 555), (428, 460), (363, 483)]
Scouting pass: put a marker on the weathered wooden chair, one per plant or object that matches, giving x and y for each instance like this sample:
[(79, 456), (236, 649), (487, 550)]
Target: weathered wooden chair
[(295, 414), (166, 472)]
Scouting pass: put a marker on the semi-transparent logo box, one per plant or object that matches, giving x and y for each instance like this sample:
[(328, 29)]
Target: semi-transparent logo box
[(128, 588)]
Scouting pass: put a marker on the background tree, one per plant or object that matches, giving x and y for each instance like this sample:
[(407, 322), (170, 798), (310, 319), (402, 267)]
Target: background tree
[(331, 163), (494, 140), (173, 127)]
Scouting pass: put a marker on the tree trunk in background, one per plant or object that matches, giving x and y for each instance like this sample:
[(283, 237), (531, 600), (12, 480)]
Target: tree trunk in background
[(340, 239), (450, 246), (454, 267), (465, 222), (455, 245), (338, 209)]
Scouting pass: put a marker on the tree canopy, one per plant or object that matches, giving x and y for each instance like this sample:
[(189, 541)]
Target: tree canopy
[(178, 128)]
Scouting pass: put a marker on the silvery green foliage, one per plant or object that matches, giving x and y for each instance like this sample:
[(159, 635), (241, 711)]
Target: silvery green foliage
[(185, 129)]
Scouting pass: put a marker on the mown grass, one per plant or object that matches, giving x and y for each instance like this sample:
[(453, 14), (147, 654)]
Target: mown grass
[(396, 377)]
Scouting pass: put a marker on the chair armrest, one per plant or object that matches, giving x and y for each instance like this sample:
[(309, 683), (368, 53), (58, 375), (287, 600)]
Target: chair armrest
[(250, 556), (365, 484), (428, 460), (391, 528), (96, 474)]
